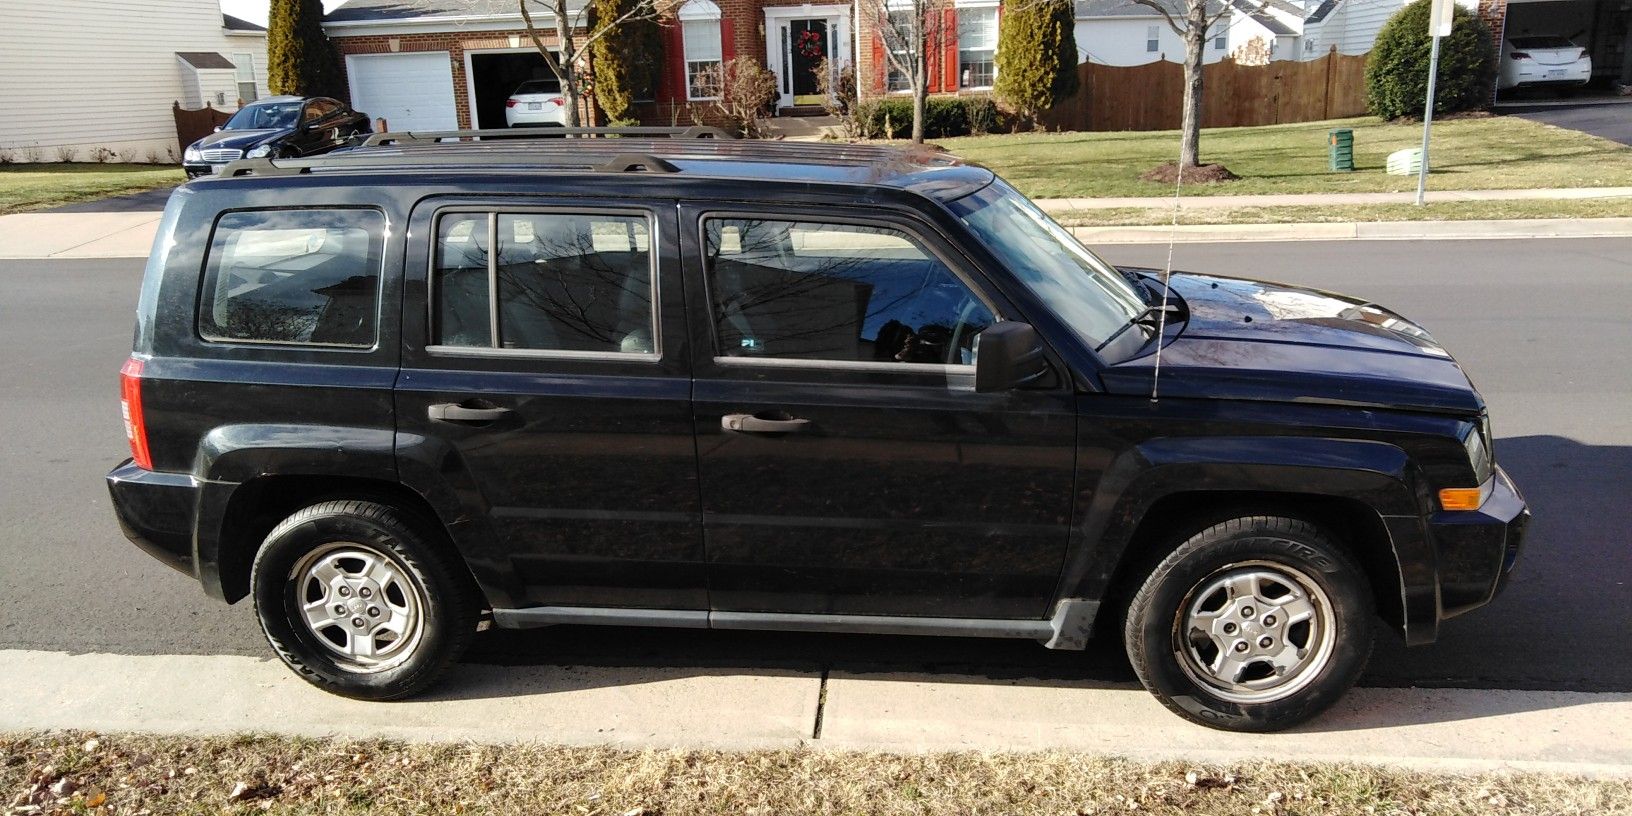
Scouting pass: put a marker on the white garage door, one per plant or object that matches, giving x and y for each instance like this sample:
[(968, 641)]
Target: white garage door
[(411, 91)]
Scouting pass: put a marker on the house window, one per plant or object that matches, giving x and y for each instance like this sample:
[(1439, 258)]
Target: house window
[(1153, 41), (700, 33), (899, 81), (245, 64), (977, 46), (1220, 42)]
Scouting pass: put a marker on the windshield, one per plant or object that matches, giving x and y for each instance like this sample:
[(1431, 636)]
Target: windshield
[(268, 116), (1086, 293)]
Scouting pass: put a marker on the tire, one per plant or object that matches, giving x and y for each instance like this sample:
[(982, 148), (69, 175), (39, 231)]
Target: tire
[(1230, 590), (417, 607)]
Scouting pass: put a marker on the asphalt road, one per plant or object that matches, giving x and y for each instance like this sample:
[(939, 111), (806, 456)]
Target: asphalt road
[(1542, 326)]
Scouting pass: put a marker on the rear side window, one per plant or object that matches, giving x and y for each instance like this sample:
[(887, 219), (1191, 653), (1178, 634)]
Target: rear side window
[(841, 292), (294, 276), (562, 282)]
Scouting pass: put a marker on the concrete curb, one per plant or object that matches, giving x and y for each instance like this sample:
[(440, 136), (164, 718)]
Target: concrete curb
[(725, 708), (1362, 231)]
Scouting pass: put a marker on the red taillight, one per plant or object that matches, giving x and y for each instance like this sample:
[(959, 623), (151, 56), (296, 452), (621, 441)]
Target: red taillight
[(511, 102), (558, 101), (1518, 55), (130, 404)]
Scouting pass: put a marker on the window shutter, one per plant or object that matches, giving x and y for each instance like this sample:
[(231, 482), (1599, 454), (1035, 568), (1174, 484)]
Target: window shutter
[(949, 51), (728, 41), (881, 65)]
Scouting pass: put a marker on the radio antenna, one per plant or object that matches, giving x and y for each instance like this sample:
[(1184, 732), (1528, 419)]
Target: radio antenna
[(1167, 274)]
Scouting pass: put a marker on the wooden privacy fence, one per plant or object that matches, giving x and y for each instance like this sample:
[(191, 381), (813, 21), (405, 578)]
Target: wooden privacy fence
[(1149, 97), (192, 125)]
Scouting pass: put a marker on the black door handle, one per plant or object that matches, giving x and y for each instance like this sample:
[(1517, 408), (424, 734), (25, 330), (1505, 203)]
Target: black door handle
[(454, 412), (749, 423)]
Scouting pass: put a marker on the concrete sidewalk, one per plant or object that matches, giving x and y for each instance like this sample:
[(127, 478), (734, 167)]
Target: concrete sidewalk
[(728, 708), (39, 236), (1201, 202)]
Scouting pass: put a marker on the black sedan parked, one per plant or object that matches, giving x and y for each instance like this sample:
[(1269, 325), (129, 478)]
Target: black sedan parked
[(278, 127)]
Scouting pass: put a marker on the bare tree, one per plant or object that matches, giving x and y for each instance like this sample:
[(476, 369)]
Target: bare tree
[(911, 30), (1191, 20), (571, 65)]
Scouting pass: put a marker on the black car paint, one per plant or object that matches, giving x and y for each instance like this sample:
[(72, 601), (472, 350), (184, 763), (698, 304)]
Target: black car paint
[(304, 139), (614, 486)]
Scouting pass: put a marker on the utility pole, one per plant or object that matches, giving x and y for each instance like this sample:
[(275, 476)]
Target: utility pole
[(1439, 25)]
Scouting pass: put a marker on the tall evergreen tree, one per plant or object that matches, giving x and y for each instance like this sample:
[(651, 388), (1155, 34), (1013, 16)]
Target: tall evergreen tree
[(622, 56), (1036, 56), (300, 59)]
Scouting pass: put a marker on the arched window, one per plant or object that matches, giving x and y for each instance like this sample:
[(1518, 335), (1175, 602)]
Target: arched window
[(700, 37)]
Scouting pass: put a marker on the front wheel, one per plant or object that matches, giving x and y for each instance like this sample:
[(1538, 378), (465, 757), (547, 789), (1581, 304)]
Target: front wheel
[(358, 599), (1254, 624)]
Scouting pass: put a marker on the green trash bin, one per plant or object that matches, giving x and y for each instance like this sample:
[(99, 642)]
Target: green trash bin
[(1340, 144)]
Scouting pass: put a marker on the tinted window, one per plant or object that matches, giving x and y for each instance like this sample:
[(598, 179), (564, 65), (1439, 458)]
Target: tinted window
[(1543, 42), (265, 116), (539, 86), (576, 283), (815, 291), (293, 276)]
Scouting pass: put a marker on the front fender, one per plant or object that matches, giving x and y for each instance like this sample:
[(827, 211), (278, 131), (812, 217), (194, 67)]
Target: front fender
[(1115, 503)]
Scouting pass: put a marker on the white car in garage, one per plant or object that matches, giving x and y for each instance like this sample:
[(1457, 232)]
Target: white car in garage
[(1546, 60), (537, 103)]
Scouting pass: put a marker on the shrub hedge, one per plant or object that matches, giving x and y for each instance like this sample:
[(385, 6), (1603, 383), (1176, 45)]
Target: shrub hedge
[(1397, 70), (944, 117)]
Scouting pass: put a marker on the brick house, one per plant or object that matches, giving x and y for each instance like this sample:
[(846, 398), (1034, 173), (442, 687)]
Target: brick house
[(446, 64)]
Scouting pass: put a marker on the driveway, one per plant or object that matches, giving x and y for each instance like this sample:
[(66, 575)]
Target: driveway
[(1604, 117)]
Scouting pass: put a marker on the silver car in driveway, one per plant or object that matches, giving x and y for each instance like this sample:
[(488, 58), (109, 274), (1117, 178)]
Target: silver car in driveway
[(537, 103)]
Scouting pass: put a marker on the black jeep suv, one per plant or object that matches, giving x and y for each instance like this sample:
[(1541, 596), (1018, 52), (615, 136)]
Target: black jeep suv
[(699, 382)]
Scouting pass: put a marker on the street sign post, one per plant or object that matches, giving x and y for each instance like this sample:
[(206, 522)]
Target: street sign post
[(1439, 25)]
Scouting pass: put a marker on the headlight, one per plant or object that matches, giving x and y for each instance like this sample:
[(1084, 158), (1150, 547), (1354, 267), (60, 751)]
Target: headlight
[(191, 154), (259, 152)]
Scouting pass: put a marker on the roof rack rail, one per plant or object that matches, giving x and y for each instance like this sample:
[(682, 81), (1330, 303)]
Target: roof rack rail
[(261, 167), (626, 162), (417, 137)]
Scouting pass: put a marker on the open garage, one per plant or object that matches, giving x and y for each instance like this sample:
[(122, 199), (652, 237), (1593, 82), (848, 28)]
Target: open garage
[(494, 75), (1603, 28)]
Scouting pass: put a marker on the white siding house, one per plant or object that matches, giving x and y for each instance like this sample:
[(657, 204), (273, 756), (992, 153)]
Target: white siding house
[(90, 75), (1121, 32)]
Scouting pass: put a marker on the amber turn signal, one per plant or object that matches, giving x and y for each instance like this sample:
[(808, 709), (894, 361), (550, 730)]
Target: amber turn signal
[(1461, 498)]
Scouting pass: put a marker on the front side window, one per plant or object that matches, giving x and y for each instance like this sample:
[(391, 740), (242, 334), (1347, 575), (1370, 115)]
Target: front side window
[(294, 276), (562, 282), (977, 46), (806, 290)]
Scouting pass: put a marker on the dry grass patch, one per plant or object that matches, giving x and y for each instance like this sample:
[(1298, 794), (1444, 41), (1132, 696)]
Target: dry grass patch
[(78, 773)]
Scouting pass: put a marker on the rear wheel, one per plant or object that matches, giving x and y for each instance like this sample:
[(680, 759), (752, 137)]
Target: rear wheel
[(359, 599), (1254, 624)]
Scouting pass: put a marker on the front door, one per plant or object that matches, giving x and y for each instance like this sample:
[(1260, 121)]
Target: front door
[(847, 464), (547, 385), (806, 44)]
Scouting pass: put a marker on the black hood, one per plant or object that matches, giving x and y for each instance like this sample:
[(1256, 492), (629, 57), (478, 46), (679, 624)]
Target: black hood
[(1248, 339), (241, 139)]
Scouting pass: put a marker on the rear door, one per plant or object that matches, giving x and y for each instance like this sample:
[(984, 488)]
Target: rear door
[(545, 381), (848, 466)]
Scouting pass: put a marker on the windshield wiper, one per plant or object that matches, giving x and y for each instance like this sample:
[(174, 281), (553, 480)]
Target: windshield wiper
[(1150, 318)]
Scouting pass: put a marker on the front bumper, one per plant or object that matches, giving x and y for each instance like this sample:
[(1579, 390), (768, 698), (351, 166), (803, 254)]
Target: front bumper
[(156, 512), (1478, 548), (196, 169)]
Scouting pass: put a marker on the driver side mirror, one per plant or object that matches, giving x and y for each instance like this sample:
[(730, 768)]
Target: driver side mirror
[(1008, 355)]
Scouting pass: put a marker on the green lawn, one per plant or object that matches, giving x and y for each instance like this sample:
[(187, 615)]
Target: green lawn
[(1468, 154), (26, 187)]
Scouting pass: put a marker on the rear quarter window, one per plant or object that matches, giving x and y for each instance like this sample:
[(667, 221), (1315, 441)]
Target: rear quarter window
[(307, 277)]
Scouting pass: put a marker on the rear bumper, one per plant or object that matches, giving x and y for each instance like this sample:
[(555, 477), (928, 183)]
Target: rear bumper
[(1478, 549), (156, 512)]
